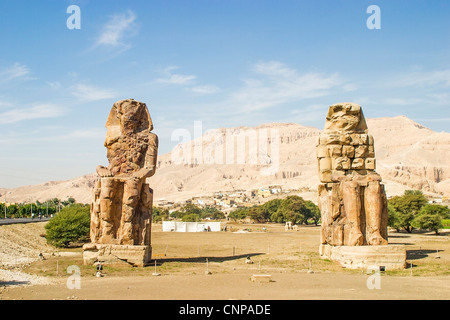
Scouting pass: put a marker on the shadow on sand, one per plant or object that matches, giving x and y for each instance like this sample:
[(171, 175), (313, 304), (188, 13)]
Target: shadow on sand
[(160, 261)]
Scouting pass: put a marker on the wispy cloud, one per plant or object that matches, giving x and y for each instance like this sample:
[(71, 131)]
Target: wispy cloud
[(117, 29), (17, 70), (402, 101), (206, 89), (54, 85), (5, 104), (174, 78), (276, 84), (35, 112), (91, 93), (423, 79)]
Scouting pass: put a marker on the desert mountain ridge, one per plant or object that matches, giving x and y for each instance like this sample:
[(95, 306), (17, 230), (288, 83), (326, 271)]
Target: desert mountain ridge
[(409, 156)]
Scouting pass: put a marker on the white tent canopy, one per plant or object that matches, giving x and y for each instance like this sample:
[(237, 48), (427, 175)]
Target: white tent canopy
[(178, 226)]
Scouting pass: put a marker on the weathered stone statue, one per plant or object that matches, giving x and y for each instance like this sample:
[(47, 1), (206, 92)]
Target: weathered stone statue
[(121, 210), (352, 199)]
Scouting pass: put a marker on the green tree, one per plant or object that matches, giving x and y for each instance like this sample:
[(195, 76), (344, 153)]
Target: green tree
[(177, 214), (70, 225), (191, 209), (159, 214), (428, 221), (212, 213), (314, 211), (407, 207), (257, 214), (270, 207), (293, 209), (436, 209), (239, 214), (393, 219), (12, 210), (192, 217)]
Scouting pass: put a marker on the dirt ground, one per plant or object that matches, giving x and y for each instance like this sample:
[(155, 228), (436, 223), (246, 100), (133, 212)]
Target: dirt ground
[(211, 266)]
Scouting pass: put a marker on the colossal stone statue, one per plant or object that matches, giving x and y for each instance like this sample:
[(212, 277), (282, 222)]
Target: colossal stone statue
[(352, 199), (121, 210)]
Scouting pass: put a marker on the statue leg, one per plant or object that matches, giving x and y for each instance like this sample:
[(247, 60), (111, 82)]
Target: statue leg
[(145, 219), (107, 229), (352, 205), (95, 213), (374, 207), (131, 191)]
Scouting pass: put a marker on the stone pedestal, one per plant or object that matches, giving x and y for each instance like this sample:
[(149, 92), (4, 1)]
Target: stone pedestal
[(138, 256), (392, 257)]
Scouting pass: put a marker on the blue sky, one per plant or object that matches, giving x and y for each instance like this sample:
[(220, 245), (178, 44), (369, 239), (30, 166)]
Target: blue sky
[(226, 63)]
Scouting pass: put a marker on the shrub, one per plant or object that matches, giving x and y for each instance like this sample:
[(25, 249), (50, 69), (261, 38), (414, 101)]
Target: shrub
[(70, 225), (428, 221)]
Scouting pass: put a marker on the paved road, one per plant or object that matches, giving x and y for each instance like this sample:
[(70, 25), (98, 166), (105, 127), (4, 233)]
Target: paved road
[(4, 221)]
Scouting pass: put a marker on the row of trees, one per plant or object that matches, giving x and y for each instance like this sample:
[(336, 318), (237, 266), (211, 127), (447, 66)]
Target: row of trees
[(24, 210), (293, 208), (412, 211), (188, 213)]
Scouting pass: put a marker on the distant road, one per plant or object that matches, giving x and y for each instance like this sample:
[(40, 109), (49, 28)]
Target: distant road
[(22, 220)]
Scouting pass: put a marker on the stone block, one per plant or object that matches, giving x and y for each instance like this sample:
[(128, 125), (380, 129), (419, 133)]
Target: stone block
[(358, 164), (322, 151), (341, 163), (335, 150), (392, 257), (370, 164), (348, 151), (111, 254), (361, 151), (371, 152), (358, 139), (325, 176), (261, 278), (325, 164)]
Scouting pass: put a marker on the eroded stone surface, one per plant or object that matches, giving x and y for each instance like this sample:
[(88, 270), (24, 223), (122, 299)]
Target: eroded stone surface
[(352, 198), (122, 200)]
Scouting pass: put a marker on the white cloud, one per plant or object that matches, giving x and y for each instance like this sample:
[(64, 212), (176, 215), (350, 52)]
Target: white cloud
[(90, 93), (118, 28), (206, 89), (173, 78), (5, 104), (402, 101), (418, 78), (54, 85), (277, 84), (36, 112), (92, 133), (17, 70)]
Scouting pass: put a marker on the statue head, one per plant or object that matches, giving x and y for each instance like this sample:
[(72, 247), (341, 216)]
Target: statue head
[(345, 117), (127, 117)]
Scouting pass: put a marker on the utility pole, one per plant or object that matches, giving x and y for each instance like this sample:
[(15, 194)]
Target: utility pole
[(6, 192)]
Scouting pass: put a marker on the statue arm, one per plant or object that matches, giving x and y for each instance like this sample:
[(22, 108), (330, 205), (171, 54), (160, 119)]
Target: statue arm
[(151, 157), (103, 171)]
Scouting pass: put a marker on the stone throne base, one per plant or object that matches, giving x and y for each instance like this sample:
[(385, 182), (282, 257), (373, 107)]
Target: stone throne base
[(111, 254), (391, 257)]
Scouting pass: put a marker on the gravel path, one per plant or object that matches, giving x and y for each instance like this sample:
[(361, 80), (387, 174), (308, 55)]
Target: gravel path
[(21, 244)]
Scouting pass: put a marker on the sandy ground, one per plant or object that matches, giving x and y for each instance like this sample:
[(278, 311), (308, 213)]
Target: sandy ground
[(289, 257)]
